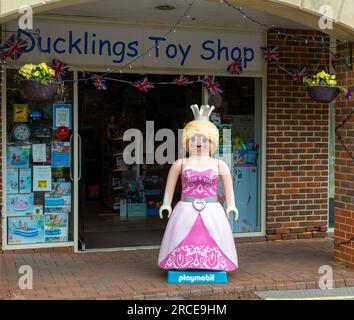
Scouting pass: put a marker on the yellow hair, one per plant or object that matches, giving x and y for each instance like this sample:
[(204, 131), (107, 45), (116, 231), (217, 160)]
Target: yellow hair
[(200, 127)]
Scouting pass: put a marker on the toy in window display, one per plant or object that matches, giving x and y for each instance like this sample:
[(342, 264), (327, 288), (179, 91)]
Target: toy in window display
[(198, 235)]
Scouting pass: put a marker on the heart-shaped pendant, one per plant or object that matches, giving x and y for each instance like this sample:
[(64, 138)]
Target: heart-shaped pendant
[(199, 204)]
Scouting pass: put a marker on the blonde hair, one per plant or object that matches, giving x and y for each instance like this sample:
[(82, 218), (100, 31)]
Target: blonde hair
[(200, 127)]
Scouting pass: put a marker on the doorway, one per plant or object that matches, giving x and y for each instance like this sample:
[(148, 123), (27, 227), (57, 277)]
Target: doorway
[(118, 204)]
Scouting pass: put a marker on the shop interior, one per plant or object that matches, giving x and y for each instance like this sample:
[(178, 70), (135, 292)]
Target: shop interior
[(119, 203)]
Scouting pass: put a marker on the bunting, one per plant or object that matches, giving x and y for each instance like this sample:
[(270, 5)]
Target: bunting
[(270, 53), (143, 85), (181, 80), (235, 67), (60, 68), (212, 86), (14, 47), (99, 82), (299, 74)]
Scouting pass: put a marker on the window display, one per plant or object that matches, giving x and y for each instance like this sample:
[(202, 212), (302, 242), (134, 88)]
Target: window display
[(38, 161)]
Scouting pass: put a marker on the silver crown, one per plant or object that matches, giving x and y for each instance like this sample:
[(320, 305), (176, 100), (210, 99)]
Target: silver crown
[(203, 113)]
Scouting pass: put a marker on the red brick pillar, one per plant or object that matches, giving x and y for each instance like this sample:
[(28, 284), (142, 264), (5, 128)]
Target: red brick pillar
[(297, 145), (344, 167)]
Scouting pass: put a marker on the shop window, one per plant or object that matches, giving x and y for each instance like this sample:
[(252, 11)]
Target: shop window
[(39, 206), (237, 109)]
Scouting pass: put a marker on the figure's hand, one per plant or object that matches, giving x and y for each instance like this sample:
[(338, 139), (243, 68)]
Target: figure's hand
[(234, 210), (167, 208)]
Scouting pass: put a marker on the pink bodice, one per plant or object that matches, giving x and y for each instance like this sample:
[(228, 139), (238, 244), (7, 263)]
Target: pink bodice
[(199, 184)]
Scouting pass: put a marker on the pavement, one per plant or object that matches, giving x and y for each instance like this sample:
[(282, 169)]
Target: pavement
[(311, 294), (263, 266)]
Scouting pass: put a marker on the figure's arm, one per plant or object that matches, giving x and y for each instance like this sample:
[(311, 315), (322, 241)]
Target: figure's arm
[(226, 179), (172, 178)]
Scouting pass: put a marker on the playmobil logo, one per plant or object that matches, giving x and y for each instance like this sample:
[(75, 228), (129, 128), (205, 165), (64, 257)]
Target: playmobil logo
[(204, 278)]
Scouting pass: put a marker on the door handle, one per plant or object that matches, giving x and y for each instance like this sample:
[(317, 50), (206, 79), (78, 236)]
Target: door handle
[(80, 146), (71, 158)]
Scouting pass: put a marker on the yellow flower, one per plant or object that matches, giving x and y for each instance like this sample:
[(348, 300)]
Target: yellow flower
[(333, 76), (43, 66), (322, 75)]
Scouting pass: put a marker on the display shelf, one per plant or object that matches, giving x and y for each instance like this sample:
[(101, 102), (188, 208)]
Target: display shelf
[(114, 206), (113, 188), (115, 171), (113, 154), (115, 139), (118, 170)]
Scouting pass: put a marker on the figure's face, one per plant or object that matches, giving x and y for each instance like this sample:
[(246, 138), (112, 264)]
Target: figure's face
[(200, 145)]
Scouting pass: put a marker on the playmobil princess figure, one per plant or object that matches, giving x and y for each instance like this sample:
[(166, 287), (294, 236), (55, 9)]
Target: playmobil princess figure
[(198, 234)]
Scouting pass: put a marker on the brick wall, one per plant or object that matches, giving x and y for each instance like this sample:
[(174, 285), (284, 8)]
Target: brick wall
[(344, 169), (297, 145)]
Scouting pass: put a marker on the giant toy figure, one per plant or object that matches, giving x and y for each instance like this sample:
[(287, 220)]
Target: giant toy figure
[(198, 235)]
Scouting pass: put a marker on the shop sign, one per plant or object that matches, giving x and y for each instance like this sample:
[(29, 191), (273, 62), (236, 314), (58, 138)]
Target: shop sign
[(112, 45)]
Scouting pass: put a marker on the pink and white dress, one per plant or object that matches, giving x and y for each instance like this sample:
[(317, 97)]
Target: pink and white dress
[(196, 239)]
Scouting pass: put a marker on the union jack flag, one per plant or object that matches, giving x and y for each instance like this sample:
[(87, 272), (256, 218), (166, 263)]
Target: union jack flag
[(144, 85), (212, 86), (235, 67), (99, 82), (14, 46), (60, 68), (298, 74), (270, 53), (181, 80), (3, 55)]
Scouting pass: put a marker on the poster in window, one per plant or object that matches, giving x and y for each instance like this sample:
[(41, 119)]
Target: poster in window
[(18, 156), (25, 180), (57, 205), (42, 178), (19, 204), (20, 112), (25, 230), (56, 227), (12, 181), (39, 152), (60, 154), (61, 115)]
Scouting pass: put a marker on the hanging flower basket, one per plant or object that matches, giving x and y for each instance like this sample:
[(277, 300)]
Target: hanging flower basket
[(322, 87), (36, 91), (38, 82), (323, 94)]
